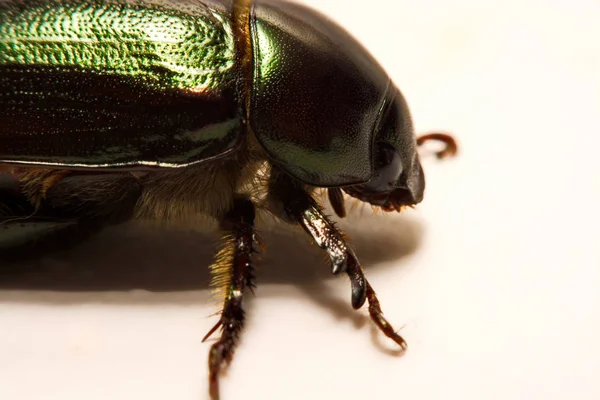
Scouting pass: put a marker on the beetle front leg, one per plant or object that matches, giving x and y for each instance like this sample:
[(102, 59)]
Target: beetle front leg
[(233, 274), (299, 207)]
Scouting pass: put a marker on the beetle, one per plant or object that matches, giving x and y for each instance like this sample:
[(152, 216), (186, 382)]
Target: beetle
[(112, 110)]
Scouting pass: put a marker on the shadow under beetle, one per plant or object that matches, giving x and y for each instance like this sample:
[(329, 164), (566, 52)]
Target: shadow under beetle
[(115, 110)]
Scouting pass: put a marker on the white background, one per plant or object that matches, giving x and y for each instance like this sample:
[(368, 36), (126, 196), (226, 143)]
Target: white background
[(494, 278)]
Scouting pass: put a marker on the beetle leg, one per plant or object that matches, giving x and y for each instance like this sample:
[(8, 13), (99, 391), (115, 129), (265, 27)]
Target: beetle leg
[(13, 202), (35, 182), (104, 198), (234, 274), (21, 230), (451, 146), (336, 198), (68, 212), (299, 207)]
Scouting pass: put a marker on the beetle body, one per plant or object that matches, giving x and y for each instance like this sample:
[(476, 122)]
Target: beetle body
[(164, 109)]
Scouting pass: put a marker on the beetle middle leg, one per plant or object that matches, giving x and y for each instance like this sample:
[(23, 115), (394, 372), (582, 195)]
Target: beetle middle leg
[(293, 203), (48, 215), (234, 274)]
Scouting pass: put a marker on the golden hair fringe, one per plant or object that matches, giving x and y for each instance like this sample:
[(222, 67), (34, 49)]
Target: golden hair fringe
[(221, 269), (36, 182)]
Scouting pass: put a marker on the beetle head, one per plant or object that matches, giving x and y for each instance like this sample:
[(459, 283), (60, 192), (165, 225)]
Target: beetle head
[(397, 179)]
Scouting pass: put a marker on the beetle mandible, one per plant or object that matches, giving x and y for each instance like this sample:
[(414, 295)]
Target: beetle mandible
[(112, 110)]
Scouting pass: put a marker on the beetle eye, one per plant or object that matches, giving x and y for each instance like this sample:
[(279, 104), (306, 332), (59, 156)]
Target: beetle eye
[(388, 168)]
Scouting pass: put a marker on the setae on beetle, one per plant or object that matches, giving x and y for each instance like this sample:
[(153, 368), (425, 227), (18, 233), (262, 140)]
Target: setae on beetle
[(112, 110)]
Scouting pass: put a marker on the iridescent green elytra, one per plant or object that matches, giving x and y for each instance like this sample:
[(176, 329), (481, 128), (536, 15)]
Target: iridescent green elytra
[(165, 48), (158, 82)]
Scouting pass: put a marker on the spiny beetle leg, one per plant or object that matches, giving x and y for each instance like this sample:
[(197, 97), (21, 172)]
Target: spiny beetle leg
[(303, 209), (236, 273)]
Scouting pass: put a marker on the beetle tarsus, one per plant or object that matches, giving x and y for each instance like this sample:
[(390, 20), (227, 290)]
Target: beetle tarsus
[(377, 317), (361, 291), (240, 221), (450, 149)]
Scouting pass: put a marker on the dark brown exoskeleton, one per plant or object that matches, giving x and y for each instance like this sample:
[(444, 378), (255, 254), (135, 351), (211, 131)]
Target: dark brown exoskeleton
[(170, 109)]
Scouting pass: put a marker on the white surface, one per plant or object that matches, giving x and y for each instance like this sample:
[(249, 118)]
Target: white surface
[(499, 299)]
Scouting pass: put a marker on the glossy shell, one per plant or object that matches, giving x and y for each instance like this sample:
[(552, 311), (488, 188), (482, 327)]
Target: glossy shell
[(317, 95), (118, 84), (96, 84)]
